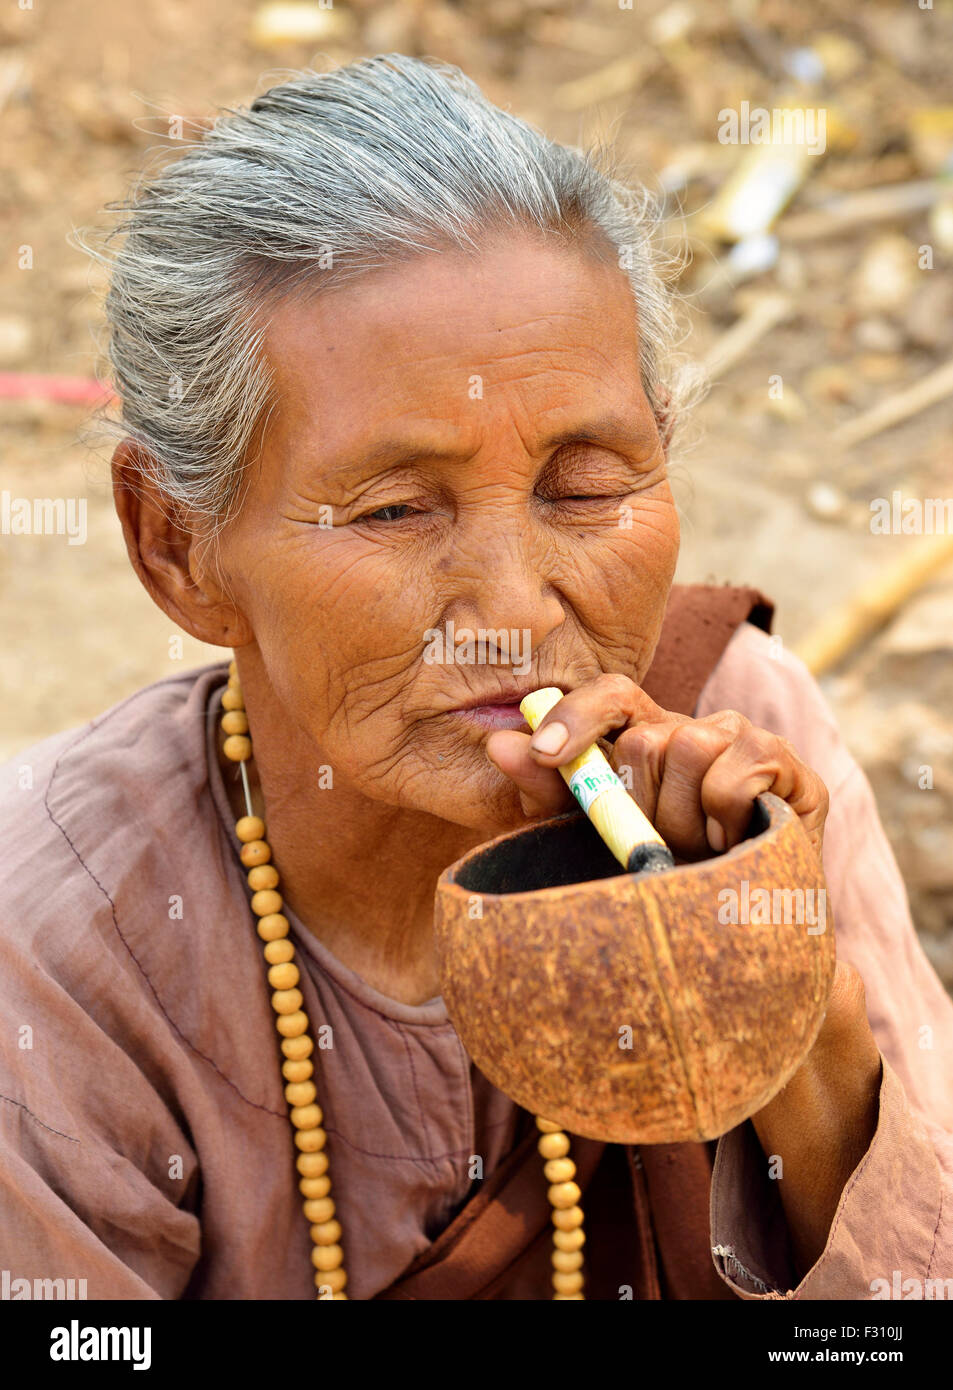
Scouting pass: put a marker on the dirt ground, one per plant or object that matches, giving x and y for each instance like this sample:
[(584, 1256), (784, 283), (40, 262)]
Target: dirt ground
[(769, 495)]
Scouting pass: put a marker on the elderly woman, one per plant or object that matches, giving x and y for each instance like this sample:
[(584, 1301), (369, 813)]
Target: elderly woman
[(392, 363)]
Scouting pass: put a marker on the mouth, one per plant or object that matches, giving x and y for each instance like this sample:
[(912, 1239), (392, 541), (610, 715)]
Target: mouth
[(499, 711)]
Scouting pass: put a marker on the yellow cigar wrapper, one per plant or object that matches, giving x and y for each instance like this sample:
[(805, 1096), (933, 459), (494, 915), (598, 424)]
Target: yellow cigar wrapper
[(594, 784)]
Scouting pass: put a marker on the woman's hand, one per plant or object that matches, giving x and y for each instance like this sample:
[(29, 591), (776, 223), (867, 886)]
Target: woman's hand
[(695, 779)]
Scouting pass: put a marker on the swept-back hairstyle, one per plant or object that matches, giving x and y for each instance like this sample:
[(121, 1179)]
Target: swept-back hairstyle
[(325, 177)]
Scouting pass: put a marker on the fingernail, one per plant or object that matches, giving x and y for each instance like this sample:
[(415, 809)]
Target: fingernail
[(550, 739), (716, 835)]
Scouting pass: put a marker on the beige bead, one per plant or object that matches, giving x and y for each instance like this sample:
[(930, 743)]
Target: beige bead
[(277, 952), (292, 1025), (307, 1121), (557, 1170), (314, 1188), (319, 1209), (286, 976), (312, 1165), (307, 1116), (327, 1256), (255, 853), (233, 667), (326, 1232), (557, 1296), (262, 876), (567, 1283), (250, 828), (569, 1240), (287, 1001), (296, 1072), (237, 747), (267, 903), (567, 1218), (310, 1141), (564, 1194), (553, 1145), (547, 1126), (567, 1260), (297, 1048), (333, 1279), (235, 721), (273, 926), (299, 1093), (232, 699)]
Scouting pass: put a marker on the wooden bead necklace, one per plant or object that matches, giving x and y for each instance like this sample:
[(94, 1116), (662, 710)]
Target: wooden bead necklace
[(292, 1022)]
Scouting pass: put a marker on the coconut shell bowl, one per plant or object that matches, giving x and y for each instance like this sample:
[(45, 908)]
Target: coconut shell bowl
[(630, 1007)]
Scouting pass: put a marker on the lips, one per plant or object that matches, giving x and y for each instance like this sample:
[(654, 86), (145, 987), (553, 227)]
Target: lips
[(509, 698)]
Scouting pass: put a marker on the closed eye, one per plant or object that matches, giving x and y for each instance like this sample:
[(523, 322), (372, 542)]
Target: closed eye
[(378, 515)]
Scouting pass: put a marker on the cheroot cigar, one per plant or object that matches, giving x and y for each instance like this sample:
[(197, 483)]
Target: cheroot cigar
[(618, 818)]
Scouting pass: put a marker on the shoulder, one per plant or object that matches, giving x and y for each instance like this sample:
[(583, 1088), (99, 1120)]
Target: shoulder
[(120, 898), (90, 811), (761, 679), (102, 768)]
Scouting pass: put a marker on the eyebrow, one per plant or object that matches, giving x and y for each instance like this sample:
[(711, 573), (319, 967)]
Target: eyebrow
[(609, 430)]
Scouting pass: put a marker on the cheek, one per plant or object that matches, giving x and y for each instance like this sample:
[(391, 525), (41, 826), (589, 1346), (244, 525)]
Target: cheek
[(619, 579), (342, 629)]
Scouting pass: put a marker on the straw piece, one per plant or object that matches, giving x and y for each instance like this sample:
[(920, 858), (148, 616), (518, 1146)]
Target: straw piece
[(865, 611), (927, 391)]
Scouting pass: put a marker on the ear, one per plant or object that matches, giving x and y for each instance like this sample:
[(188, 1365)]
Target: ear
[(168, 556)]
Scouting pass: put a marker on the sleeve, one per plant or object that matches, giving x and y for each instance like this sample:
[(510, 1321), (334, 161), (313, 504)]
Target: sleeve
[(892, 1232), (96, 1176)]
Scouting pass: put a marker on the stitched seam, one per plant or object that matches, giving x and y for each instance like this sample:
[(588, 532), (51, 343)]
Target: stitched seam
[(727, 1253), (468, 1092), (936, 1234), (9, 1100), (413, 1077), (112, 906), (371, 1008)]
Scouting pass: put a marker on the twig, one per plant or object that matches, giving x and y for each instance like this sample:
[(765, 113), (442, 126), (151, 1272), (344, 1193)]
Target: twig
[(760, 318), (850, 210), (927, 391), (865, 611), (613, 80)]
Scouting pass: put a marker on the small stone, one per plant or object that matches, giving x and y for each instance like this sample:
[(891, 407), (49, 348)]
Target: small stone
[(296, 21), (878, 335), (825, 501), (929, 317), (886, 276), (16, 339), (829, 383)]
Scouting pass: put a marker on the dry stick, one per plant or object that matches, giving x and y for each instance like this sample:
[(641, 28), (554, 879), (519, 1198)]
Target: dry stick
[(870, 607), (613, 80), (927, 391), (850, 210), (759, 319)]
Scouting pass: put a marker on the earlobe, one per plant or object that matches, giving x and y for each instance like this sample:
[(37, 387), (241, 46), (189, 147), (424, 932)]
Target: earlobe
[(163, 549)]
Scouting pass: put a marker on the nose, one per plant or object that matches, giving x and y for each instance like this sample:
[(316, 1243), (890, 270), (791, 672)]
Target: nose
[(499, 579)]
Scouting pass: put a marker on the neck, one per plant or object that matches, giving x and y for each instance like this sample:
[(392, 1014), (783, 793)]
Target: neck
[(360, 875)]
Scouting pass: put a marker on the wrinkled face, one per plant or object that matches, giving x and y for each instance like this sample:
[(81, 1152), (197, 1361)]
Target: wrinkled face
[(462, 495)]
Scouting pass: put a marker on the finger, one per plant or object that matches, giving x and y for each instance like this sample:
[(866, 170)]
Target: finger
[(542, 790), (638, 757), (755, 762), (681, 818), (611, 701)]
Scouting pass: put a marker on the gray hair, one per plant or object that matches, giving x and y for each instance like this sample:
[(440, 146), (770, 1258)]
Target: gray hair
[(323, 178)]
